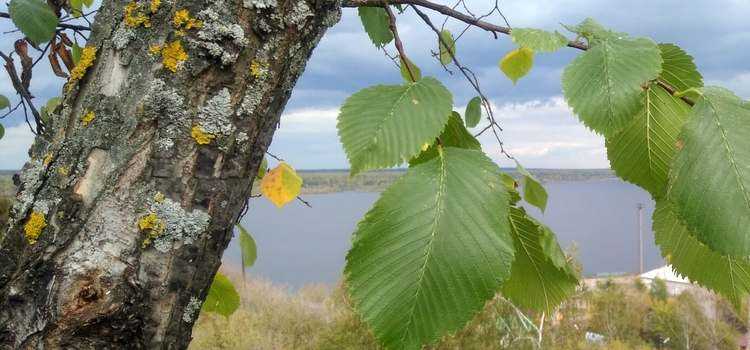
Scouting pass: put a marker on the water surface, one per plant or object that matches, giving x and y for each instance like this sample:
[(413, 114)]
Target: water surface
[(299, 245)]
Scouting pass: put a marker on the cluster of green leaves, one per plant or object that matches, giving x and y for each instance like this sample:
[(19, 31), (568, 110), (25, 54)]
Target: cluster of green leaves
[(692, 159), (450, 234)]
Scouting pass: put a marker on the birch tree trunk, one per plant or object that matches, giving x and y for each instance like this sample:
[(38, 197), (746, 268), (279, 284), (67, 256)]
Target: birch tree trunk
[(143, 172)]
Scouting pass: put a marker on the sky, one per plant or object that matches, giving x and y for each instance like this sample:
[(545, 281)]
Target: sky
[(538, 127)]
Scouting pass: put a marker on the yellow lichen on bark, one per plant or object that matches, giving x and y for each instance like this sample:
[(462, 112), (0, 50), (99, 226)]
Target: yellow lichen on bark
[(182, 21), (87, 118), (200, 136), (173, 55), (155, 5), (155, 49), (152, 225), (88, 55), (34, 226), (47, 159), (257, 69), (135, 17), (159, 197)]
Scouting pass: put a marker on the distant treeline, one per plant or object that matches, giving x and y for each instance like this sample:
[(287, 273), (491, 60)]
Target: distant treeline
[(328, 181)]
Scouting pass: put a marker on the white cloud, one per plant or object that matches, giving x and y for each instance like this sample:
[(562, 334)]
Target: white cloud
[(739, 83), (14, 147), (540, 133), (544, 134), (309, 121)]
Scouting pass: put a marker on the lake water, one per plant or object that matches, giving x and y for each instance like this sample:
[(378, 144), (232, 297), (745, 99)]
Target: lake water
[(299, 245)]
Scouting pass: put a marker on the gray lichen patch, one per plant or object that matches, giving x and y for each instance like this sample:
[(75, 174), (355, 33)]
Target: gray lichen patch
[(259, 4), (299, 13), (166, 105), (31, 179), (122, 37), (179, 225), (215, 116), (219, 37), (191, 310)]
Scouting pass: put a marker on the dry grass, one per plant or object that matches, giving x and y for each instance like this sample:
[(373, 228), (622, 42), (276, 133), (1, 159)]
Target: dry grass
[(321, 318), (273, 318)]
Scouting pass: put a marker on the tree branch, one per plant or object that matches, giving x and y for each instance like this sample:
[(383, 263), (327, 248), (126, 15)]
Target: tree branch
[(490, 27), (61, 25), (399, 44), (21, 90)]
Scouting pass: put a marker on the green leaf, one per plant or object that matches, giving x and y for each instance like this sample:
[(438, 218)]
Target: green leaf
[(248, 248), (406, 62), (76, 53), (538, 40), (540, 277), (678, 69), (376, 23), (642, 152), (49, 108), (386, 125), (4, 102), (594, 32), (473, 112), (432, 251), (76, 7), (262, 169), (533, 191), (710, 178), (88, 3), (34, 18), (454, 135), (222, 298), (517, 63), (603, 85), (2, 131), (447, 47), (727, 275)]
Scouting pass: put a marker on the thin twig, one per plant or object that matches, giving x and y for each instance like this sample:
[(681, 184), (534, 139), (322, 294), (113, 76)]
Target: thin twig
[(398, 43), (25, 94), (274, 156), (61, 24), (473, 81)]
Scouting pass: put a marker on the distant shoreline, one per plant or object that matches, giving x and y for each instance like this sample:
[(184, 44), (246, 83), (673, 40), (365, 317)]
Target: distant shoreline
[(332, 181), (320, 181)]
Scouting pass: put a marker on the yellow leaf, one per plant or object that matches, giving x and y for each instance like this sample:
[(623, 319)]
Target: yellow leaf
[(517, 63), (281, 185)]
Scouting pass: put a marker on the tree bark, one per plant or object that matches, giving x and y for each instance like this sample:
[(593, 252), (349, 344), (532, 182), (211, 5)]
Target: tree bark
[(137, 205)]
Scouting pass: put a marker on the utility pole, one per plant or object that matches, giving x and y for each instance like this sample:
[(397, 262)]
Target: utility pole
[(640, 237)]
